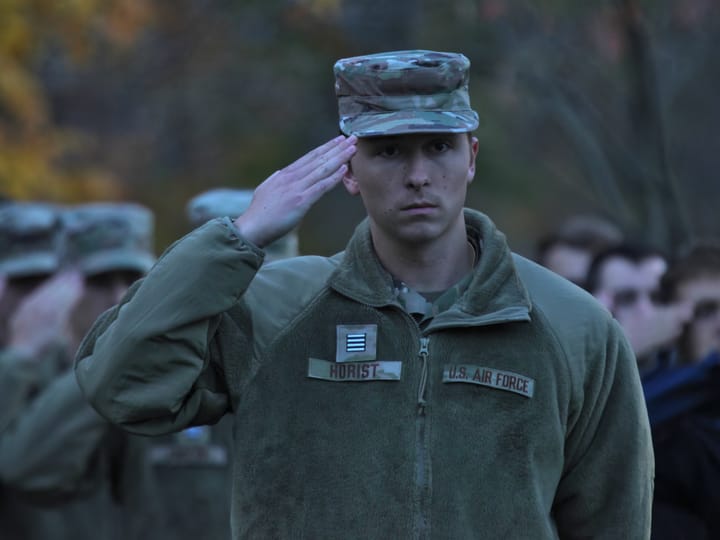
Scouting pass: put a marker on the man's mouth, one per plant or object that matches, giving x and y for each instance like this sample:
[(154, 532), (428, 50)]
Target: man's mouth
[(419, 205), (421, 208)]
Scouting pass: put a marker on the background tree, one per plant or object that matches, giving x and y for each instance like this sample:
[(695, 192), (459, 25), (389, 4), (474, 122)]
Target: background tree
[(39, 156), (598, 106)]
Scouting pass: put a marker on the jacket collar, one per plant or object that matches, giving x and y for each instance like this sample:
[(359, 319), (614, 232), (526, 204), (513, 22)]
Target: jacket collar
[(495, 289)]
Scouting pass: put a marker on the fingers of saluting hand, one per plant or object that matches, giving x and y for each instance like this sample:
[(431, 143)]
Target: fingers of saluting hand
[(321, 164), (280, 202)]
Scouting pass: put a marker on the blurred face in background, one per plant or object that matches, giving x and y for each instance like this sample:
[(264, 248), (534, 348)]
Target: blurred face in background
[(102, 291), (703, 332), (629, 289)]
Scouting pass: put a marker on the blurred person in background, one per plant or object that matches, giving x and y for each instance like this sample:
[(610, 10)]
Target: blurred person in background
[(222, 202), (30, 254), (570, 248), (418, 384), (694, 279), (684, 403), (193, 466), (111, 245), (626, 279), (88, 478)]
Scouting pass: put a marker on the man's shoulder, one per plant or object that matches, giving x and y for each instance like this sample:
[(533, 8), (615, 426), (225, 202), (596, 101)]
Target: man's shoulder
[(283, 289), (297, 279), (309, 267), (583, 329), (568, 307)]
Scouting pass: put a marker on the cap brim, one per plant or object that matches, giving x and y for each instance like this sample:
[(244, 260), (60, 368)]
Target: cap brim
[(402, 122), (30, 265)]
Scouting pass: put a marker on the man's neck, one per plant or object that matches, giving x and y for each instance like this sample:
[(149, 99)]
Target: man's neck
[(428, 268)]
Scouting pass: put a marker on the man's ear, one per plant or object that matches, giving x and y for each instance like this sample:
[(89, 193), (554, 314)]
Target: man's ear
[(350, 182), (474, 145)]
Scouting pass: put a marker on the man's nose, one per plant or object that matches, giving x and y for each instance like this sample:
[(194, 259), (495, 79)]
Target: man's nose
[(418, 171)]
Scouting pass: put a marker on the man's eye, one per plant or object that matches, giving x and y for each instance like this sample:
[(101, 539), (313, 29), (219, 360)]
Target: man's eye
[(440, 146), (388, 151)]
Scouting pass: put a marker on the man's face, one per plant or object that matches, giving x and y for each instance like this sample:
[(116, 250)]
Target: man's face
[(413, 186), (628, 289), (102, 291), (704, 329)]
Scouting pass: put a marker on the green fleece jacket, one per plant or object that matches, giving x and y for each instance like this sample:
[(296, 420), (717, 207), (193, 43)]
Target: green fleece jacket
[(516, 413)]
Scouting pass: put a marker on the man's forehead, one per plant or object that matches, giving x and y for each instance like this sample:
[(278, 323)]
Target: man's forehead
[(700, 288), (620, 272), (411, 138)]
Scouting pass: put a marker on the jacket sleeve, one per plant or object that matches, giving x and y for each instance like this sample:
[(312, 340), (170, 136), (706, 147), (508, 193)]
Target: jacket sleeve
[(146, 364), (48, 450), (606, 489)]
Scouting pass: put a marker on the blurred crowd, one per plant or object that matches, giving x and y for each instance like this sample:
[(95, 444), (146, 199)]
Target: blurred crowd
[(668, 305), (67, 473)]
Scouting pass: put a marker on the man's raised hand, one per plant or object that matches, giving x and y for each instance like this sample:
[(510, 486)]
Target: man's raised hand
[(283, 199)]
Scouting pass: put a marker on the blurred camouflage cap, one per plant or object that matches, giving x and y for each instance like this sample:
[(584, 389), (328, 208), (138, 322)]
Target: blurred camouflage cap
[(225, 202), (107, 237), (30, 239), (216, 203), (282, 248), (398, 92)]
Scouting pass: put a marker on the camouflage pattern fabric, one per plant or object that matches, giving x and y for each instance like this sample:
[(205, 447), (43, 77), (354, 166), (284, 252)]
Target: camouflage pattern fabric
[(400, 92), (105, 237), (423, 306), (30, 239)]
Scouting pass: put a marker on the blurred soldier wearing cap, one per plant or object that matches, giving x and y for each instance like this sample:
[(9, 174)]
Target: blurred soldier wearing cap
[(224, 202), (111, 244), (83, 474), (30, 253), (418, 384)]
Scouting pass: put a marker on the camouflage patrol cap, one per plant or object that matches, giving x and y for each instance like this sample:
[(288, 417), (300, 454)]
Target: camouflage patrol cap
[(107, 237), (219, 202), (225, 202), (30, 239), (397, 92), (282, 248)]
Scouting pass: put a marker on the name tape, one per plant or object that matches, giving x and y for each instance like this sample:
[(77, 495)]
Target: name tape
[(493, 378), (354, 371)]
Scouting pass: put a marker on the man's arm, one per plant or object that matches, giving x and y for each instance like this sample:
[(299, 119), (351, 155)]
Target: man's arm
[(606, 489), (47, 450), (37, 342), (145, 364)]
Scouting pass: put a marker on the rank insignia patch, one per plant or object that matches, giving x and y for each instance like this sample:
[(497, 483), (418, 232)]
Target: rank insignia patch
[(356, 342)]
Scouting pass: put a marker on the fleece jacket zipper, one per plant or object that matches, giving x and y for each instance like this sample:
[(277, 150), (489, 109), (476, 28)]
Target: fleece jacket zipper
[(422, 460)]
